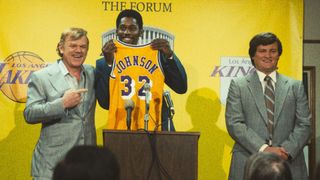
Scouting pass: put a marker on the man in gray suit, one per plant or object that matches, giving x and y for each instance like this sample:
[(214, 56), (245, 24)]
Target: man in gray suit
[(267, 114), (61, 97)]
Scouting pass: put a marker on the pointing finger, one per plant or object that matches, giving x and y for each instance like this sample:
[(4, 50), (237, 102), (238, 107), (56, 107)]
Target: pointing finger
[(81, 91)]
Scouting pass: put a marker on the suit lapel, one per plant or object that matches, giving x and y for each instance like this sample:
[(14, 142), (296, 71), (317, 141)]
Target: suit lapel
[(57, 79), (281, 91), (255, 88), (85, 96)]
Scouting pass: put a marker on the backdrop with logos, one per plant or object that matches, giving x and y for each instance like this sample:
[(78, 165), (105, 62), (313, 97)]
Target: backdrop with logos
[(211, 38)]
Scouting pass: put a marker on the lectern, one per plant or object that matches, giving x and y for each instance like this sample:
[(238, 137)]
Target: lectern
[(154, 155)]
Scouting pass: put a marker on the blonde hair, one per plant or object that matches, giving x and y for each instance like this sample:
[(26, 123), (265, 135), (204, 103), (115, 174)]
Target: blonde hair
[(74, 33)]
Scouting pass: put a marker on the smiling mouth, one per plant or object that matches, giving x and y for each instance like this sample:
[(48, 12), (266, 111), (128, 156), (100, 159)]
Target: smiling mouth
[(77, 56), (127, 38), (267, 61)]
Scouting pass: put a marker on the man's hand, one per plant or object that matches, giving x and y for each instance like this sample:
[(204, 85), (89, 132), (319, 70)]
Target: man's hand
[(72, 98), (163, 46), (280, 151), (108, 51)]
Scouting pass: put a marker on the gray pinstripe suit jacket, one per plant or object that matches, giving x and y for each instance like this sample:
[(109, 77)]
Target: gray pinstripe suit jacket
[(246, 120), (60, 130)]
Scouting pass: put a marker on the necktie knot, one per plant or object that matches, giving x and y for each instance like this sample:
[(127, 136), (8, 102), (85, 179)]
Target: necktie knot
[(267, 78)]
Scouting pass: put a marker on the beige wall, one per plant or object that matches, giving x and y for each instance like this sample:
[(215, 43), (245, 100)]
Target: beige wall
[(311, 54)]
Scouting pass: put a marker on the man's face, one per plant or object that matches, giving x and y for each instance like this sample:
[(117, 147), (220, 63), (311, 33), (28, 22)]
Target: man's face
[(128, 30), (266, 58), (74, 52)]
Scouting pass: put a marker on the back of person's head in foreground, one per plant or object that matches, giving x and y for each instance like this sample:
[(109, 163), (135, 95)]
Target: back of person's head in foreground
[(267, 166), (88, 163)]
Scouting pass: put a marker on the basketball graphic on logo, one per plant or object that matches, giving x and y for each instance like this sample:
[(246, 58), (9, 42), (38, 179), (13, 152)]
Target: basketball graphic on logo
[(15, 73)]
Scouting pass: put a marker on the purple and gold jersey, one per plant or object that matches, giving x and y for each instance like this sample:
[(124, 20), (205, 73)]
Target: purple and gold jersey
[(134, 66)]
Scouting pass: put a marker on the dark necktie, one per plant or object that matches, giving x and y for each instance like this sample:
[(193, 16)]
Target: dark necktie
[(269, 100)]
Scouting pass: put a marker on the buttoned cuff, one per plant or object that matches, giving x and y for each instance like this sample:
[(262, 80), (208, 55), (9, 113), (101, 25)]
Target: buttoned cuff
[(263, 147)]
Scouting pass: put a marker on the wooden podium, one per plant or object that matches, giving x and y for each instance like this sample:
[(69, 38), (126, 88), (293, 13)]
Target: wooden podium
[(154, 155)]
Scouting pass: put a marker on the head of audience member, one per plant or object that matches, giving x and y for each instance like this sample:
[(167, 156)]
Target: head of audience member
[(73, 47), (266, 166), (88, 163), (265, 50), (129, 26)]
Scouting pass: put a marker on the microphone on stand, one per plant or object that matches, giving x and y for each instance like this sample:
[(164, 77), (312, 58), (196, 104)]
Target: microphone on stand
[(129, 106), (169, 102), (146, 88)]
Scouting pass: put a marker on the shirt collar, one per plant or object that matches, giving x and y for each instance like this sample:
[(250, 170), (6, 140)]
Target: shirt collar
[(64, 69), (262, 75)]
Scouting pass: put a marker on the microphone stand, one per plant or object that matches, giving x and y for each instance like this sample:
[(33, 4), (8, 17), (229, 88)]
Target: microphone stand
[(146, 117), (147, 99), (170, 116)]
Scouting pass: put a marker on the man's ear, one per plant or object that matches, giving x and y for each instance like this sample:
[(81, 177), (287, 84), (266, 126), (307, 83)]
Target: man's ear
[(60, 47)]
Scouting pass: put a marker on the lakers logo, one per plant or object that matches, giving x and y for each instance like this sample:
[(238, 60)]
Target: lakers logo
[(15, 73)]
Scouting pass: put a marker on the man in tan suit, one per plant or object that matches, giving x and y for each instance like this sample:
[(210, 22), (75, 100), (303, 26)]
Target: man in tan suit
[(267, 114), (61, 97)]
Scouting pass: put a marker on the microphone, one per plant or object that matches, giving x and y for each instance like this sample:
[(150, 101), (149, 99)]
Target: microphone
[(169, 102), (146, 88), (129, 106)]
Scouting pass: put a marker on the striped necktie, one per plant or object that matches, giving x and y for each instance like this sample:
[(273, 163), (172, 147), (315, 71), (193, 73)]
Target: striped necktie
[(269, 100)]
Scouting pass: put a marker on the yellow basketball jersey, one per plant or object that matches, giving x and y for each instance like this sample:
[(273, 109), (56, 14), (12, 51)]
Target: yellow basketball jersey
[(134, 66)]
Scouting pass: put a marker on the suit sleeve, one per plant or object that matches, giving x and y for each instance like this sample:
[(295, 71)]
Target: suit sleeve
[(236, 122), (301, 131), (175, 74), (102, 75), (38, 109)]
